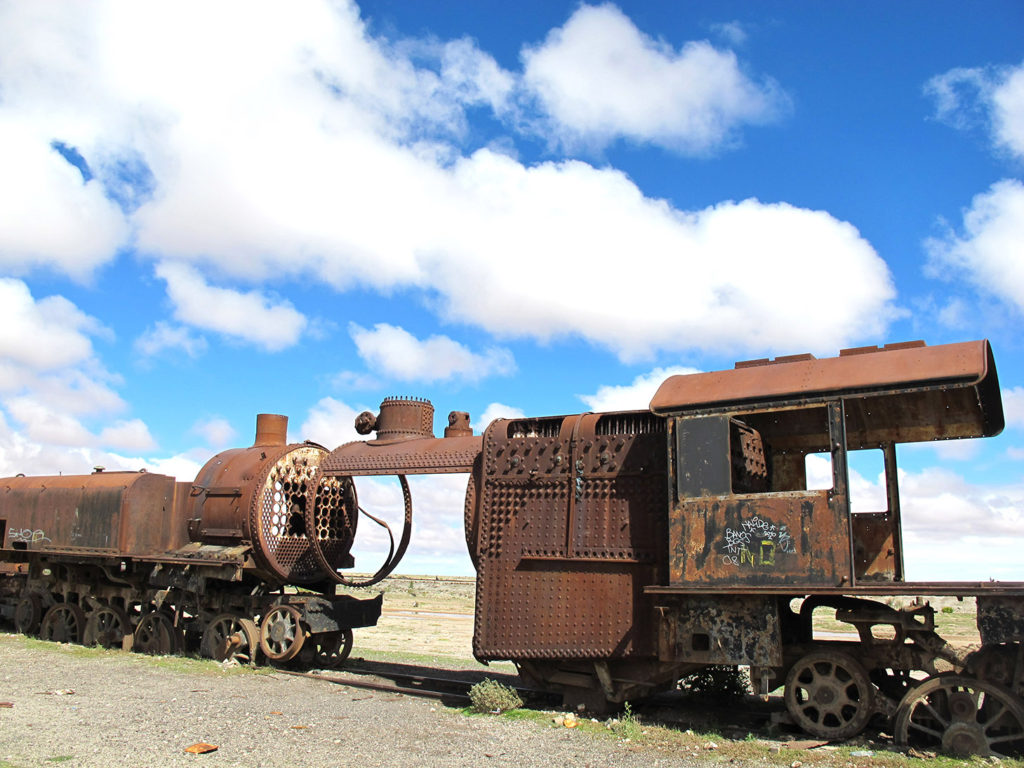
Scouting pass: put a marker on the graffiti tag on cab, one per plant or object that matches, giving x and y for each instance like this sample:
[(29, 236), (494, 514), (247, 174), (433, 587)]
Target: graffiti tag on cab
[(27, 536), (756, 542)]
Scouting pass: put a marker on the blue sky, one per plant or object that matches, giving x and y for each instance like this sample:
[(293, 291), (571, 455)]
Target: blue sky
[(209, 211)]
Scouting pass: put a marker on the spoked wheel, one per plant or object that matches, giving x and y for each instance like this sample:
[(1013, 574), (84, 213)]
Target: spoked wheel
[(282, 634), (231, 637), (28, 614), (106, 626), (962, 715), (155, 634), (63, 623), (828, 694), (330, 650)]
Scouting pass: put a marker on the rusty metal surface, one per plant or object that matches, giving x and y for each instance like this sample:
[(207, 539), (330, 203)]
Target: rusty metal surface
[(1000, 619), (117, 513), (720, 630), (948, 390), (421, 456), (798, 539), (261, 494), (571, 519)]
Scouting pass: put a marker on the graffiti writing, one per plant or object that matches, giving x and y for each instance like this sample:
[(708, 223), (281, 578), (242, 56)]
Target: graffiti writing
[(27, 536), (756, 542)]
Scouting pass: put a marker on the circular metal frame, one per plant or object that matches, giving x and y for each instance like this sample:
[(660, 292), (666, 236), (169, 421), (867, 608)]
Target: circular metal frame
[(829, 695), (331, 648), (28, 614), (229, 636), (961, 715), (106, 626), (63, 623), (155, 634), (282, 633)]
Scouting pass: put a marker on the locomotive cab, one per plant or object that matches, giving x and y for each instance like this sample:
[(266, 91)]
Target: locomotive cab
[(740, 443)]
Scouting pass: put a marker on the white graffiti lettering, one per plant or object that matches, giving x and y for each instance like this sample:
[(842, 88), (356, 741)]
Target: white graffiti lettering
[(27, 536), (756, 542)]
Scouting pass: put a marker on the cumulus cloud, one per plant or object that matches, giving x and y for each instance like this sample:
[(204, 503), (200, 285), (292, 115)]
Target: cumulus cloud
[(632, 397), (987, 252), (989, 96), (316, 152), (215, 430), (496, 411), (251, 317), (49, 215), (395, 352), (600, 78), (130, 435), (331, 423), (163, 337)]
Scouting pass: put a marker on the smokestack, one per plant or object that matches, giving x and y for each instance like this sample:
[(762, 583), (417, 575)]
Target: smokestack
[(271, 429)]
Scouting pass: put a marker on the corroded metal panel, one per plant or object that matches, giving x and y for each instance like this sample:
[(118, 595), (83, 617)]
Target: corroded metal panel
[(794, 538), (417, 456), (571, 529), (720, 630), (1001, 618), (925, 393), (104, 513)]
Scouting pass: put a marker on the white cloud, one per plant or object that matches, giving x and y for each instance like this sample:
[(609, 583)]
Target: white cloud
[(1013, 407), (632, 397), (496, 411), (732, 32), (164, 336), (42, 335), (250, 317), (131, 435), (600, 78), (331, 423), (993, 96), (395, 352), (315, 152), (49, 216), (988, 253), (216, 431)]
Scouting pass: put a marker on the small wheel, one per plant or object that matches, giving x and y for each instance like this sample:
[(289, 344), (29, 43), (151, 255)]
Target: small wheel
[(962, 715), (282, 634), (331, 649), (28, 614), (63, 623), (106, 626), (155, 634), (230, 637), (828, 694)]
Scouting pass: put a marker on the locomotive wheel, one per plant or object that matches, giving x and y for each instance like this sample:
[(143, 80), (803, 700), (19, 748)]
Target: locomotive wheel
[(155, 634), (828, 694), (106, 626), (231, 637), (28, 614), (331, 649), (961, 715), (282, 634), (63, 623)]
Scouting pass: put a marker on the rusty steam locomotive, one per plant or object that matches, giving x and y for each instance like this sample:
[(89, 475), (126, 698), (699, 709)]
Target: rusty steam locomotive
[(615, 552)]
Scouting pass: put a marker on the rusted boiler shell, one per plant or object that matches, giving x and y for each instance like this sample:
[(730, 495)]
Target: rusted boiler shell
[(123, 514), (261, 495)]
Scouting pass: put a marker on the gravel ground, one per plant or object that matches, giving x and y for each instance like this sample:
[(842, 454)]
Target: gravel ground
[(114, 709)]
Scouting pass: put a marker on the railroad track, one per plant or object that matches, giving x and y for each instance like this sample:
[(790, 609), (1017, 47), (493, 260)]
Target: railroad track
[(672, 709)]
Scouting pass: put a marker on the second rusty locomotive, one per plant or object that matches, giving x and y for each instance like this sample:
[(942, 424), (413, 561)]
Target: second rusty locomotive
[(137, 559)]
